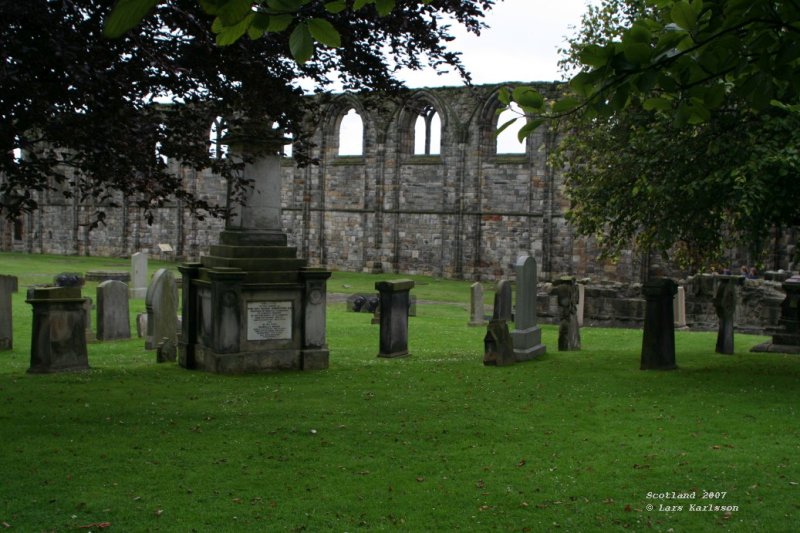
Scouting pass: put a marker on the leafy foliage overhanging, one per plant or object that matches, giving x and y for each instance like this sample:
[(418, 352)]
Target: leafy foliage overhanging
[(680, 124), (82, 109)]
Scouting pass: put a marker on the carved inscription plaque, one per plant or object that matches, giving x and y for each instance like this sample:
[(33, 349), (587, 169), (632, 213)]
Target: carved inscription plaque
[(267, 321)]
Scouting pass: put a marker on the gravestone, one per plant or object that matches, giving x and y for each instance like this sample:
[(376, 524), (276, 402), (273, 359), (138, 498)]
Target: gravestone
[(527, 336), (476, 307), (502, 301), (679, 308), (161, 303), (725, 306), (658, 339), (581, 302), (498, 348), (138, 289), (58, 342), (250, 304), (87, 310), (141, 325), (567, 295), (167, 352), (786, 337), (113, 312), (8, 285), (394, 304), (108, 275)]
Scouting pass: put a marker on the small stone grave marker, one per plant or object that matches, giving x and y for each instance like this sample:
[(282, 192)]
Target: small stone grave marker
[(113, 312)]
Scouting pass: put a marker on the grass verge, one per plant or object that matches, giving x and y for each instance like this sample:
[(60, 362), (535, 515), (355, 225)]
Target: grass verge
[(572, 441)]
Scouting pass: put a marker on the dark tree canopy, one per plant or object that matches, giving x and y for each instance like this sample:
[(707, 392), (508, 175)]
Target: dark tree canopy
[(83, 108)]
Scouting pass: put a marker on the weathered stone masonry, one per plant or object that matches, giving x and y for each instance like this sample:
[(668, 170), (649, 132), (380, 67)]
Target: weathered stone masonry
[(467, 212)]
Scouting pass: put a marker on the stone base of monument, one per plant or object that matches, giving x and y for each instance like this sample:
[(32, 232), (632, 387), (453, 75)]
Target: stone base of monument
[(527, 343), (776, 348), (250, 307), (58, 341), (786, 337)]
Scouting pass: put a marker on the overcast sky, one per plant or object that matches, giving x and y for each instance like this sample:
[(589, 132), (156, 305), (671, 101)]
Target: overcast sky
[(520, 45)]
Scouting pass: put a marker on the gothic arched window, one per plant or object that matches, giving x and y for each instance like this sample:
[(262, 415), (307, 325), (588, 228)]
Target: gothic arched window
[(507, 141), (217, 150), (428, 132), (351, 134)]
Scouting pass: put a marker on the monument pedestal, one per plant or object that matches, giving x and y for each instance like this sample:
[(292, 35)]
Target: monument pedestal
[(394, 305), (786, 337), (658, 338), (58, 341), (253, 308)]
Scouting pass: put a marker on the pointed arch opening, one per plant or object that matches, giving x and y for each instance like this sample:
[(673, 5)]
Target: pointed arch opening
[(351, 134), (508, 141), (216, 148), (428, 132)]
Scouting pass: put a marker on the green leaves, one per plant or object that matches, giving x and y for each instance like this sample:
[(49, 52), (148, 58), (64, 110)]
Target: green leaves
[(384, 7), (528, 99), (683, 15), (125, 15), (324, 32), (301, 44)]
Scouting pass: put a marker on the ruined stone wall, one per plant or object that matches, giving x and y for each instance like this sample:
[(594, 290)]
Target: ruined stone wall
[(758, 304), (466, 212)]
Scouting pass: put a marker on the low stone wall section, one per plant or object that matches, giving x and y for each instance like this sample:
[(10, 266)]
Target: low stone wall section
[(758, 306)]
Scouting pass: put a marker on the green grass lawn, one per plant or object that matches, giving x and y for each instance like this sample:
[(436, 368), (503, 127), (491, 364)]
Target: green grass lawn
[(434, 442)]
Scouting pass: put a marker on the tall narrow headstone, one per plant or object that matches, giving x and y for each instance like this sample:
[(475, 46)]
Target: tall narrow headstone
[(161, 303), (138, 289), (87, 310), (113, 312), (502, 301), (527, 336), (476, 307), (8, 285), (395, 301), (569, 334), (679, 308), (658, 340), (581, 302), (725, 306)]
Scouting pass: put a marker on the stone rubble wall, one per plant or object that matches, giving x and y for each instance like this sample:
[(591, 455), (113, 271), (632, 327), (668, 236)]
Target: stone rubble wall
[(758, 305)]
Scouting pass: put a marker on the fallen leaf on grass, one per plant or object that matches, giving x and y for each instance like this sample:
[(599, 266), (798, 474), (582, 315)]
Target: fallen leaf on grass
[(99, 525), (6, 525), (628, 508), (521, 462), (420, 479)]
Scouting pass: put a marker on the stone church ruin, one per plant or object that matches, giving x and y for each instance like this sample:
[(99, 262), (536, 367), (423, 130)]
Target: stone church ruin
[(421, 187)]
